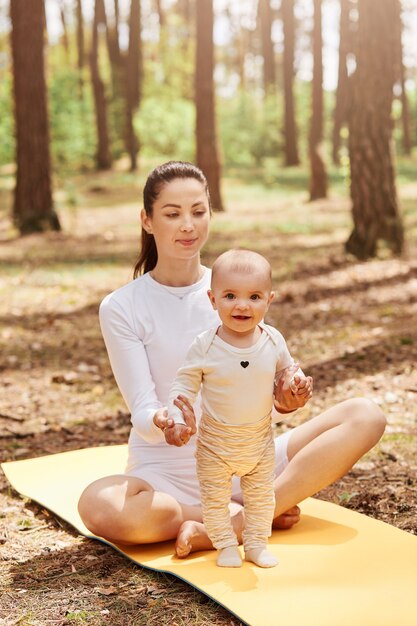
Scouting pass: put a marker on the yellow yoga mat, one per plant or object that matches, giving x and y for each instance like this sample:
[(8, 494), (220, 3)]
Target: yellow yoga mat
[(336, 567)]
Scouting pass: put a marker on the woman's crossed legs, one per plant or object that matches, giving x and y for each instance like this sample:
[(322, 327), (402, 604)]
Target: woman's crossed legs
[(126, 510)]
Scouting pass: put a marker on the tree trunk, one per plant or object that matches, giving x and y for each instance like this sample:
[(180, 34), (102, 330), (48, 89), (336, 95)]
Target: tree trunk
[(318, 175), (161, 14), (33, 206), (134, 62), (206, 139), (116, 15), (65, 38), (342, 91), (112, 37), (265, 23), (133, 80), (242, 47), (373, 192), (185, 10), (104, 159), (80, 35), (290, 128), (117, 58), (237, 49)]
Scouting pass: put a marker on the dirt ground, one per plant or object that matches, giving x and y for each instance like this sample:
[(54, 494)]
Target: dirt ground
[(352, 326)]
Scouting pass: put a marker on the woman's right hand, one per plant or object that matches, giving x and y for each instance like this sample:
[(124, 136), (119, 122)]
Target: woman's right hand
[(161, 419), (186, 407), (175, 434)]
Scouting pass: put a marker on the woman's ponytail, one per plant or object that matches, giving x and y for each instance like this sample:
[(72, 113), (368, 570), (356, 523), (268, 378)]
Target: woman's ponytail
[(148, 255)]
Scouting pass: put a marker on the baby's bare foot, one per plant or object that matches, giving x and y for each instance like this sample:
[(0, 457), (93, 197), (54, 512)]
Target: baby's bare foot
[(191, 537)]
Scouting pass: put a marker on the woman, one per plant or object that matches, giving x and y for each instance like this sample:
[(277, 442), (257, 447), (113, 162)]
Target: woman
[(148, 326)]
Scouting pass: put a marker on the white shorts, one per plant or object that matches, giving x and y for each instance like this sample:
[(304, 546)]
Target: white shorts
[(180, 480)]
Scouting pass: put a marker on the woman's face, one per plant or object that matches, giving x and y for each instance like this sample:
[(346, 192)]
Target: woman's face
[(180, 219)]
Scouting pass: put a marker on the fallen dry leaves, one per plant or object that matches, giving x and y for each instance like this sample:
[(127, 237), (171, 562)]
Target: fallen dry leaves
[(353, 326)]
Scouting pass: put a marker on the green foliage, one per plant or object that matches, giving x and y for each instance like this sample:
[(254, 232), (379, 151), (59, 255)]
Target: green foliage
[(249, 130), (302, 99), (169, 62), (252, 130), (7, 143), (71, 118), (346, 497), (78, 617), (73, 135), (165, 121), (165, 127), (406, 341)]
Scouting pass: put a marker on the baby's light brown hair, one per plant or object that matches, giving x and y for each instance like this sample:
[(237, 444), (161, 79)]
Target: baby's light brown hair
[(241, 261)]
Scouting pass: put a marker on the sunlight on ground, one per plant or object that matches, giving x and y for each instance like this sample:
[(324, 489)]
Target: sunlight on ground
[(352, 326), (347, 322)]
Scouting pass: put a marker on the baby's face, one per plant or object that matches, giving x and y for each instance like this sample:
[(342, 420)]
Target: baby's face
[(241, 299)]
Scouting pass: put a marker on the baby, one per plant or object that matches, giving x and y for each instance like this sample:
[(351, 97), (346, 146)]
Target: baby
[(236, 365)]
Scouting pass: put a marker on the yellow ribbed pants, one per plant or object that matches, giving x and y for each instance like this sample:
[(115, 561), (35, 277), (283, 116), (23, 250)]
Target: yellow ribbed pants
[(248, 451)]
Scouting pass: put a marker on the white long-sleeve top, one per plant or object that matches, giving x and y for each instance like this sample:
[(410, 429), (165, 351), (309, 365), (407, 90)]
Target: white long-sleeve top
[(148, 328), (237, 383)]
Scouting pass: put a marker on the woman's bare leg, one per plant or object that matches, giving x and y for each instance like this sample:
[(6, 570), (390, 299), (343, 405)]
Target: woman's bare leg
[(323, 449), (125, 509)]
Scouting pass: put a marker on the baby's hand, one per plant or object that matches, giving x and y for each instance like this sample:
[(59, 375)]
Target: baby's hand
[(302, 385), (294, 383), (292, 389), (177, 435)]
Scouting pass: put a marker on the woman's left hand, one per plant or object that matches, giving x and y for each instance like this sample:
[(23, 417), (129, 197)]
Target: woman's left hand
[(184, 405), (293, 390)]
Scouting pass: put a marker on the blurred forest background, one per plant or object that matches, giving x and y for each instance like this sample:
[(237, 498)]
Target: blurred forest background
[(235, 86), (303, 115)]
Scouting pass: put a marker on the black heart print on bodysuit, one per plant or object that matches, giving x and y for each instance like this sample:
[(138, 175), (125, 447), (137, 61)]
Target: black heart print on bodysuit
[(244, 363)]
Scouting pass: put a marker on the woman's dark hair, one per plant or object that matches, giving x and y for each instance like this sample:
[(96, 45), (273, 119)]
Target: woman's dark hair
[(157, 179)]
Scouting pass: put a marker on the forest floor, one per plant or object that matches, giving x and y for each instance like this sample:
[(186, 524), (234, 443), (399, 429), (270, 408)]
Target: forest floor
[(352, 326)]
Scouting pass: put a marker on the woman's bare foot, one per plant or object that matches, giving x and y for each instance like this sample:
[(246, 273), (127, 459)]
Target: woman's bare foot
[(192, 536), (287, 519)]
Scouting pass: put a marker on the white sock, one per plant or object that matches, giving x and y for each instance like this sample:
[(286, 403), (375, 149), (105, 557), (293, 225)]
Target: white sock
[(229, 557), (261, 557)]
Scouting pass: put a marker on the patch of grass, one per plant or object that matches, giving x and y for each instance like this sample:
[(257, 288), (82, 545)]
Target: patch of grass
[(79, 617), (409, 209), (51, 286), (406, 169), (399, 438), (346, 497), (229, 226), (27, 620), (25, 523), (291, 228), (406, 341), (387, 310), (77, 422)]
